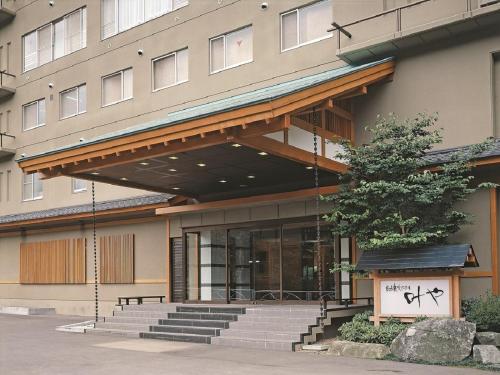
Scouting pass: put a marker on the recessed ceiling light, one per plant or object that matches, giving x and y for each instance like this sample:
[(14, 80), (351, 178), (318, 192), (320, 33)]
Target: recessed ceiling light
[(172, 170), (124, 179), (173, 157), (222, 181), (236, 145), (262, 153), (95, 173), (309, 167), (243, 185), (176, 188), (144, 163), (201, 165), (251, 176)]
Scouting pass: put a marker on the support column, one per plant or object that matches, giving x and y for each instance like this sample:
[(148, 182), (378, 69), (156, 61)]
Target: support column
[(168, 263), (494, 241)]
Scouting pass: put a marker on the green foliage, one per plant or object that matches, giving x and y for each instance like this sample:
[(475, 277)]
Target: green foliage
[(360, 329), (388, 199), (484, 311)]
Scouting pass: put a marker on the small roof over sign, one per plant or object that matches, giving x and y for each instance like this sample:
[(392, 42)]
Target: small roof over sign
[(437, 256)]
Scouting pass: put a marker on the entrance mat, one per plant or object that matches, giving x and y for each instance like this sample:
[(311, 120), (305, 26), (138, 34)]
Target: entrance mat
[(149, 346)]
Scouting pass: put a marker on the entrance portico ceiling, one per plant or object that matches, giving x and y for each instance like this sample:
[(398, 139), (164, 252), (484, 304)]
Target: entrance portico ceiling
[(234, 147)]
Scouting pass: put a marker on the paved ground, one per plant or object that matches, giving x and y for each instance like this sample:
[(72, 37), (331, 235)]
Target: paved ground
[(30, 345)]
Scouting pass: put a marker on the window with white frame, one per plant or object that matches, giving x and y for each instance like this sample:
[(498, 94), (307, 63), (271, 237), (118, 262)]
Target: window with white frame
[(170, 69), (34, 114), (56, 39), (78, 185), (32, 187), (306, 25), (73, 101), (121, 15), (231, 49), (117, 87)]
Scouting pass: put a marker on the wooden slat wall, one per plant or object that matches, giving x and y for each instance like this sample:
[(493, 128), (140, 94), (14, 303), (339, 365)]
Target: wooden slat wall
[(116, 255), (178, 270), (53, 262)]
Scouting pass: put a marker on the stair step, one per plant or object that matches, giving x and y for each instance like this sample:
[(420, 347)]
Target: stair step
[(211, 309), (141, 314), (112, 332), (280, 345), (131, 320), (184, 337), (207, 331), (261, 335), (278, 319), (195, 323), (203, 316), (271, 327), (160, 307), (123, 326)]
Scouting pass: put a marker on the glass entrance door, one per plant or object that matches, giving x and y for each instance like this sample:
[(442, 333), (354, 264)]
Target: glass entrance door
[(254, 264)]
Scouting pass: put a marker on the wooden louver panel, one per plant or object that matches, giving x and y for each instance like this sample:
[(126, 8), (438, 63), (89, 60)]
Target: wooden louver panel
[(53, 262), (116, 256)]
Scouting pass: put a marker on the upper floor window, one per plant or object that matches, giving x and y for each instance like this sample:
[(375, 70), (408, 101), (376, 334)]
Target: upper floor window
[(170, 69), (59, 38), (306, 25), (32, 187), (117, 87), (231, 49), (73, 101), (78, 185), (34, 114), (121, 15)]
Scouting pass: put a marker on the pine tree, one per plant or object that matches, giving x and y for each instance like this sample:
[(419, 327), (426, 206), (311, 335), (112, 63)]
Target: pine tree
[(390, 198)]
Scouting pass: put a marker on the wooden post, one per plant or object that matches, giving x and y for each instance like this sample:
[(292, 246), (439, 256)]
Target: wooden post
[(494, 241), (455, 288), (168, 265), (376, 298)]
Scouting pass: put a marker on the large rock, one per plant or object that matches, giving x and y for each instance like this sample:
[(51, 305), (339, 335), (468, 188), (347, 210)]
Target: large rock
[(435, 340), (487, 354), (488, 338), (358, 350)]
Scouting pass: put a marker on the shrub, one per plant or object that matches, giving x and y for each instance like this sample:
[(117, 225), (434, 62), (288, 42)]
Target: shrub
[(360, 329), (484, 311)]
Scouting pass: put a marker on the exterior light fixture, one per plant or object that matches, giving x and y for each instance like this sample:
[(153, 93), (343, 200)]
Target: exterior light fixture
[(222, 181), (124, 179), (173, 157), (309, 167), (201, 165), (172, 170), (263, 153), (176, 188), (144, 163), (251, 176), (236, 145), (95, 173)]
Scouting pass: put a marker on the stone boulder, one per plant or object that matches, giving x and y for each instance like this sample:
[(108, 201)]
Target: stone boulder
[(487, 354), (358, 349), (488, 338), (435, 340)]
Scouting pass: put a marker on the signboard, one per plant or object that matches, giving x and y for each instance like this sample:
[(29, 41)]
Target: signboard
[(415, 297)]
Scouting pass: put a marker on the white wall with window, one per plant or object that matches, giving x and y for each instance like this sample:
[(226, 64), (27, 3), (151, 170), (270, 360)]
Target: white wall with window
[(78, 185), (306, 25), (34, 114), (61, 37), (117, 87), (121, 15), (170, 70), (73, 102), (231, 49), (32, 187)]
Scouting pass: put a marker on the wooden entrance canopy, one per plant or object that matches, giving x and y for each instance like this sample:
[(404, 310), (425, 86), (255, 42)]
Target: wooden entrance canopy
[(252, 143)]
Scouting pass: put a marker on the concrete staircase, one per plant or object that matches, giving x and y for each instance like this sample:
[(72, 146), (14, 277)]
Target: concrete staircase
[(274, 327)]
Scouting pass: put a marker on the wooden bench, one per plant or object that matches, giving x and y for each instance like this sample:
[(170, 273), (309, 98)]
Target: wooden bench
[(139, 299)]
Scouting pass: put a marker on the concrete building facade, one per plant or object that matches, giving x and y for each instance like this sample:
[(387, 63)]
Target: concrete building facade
[(82, 74)]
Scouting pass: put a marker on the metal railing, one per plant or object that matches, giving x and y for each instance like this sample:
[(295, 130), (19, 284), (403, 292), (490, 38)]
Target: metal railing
[(4, 72), (5, 135), (398, 11)]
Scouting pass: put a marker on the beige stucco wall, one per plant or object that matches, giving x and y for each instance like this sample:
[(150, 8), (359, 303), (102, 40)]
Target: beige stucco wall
[(149, 268)]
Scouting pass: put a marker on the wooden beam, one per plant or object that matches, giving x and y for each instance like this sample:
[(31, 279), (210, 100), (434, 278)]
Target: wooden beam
[(307, 126), (494, 240), (293, 153), (256, 199)]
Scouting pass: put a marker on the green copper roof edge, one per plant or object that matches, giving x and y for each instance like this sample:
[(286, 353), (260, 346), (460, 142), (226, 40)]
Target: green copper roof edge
[(317, 79)]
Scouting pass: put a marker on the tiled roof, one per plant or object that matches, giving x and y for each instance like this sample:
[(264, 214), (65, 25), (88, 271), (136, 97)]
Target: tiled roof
[(246, 99), (444, 156), (87, 208)]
